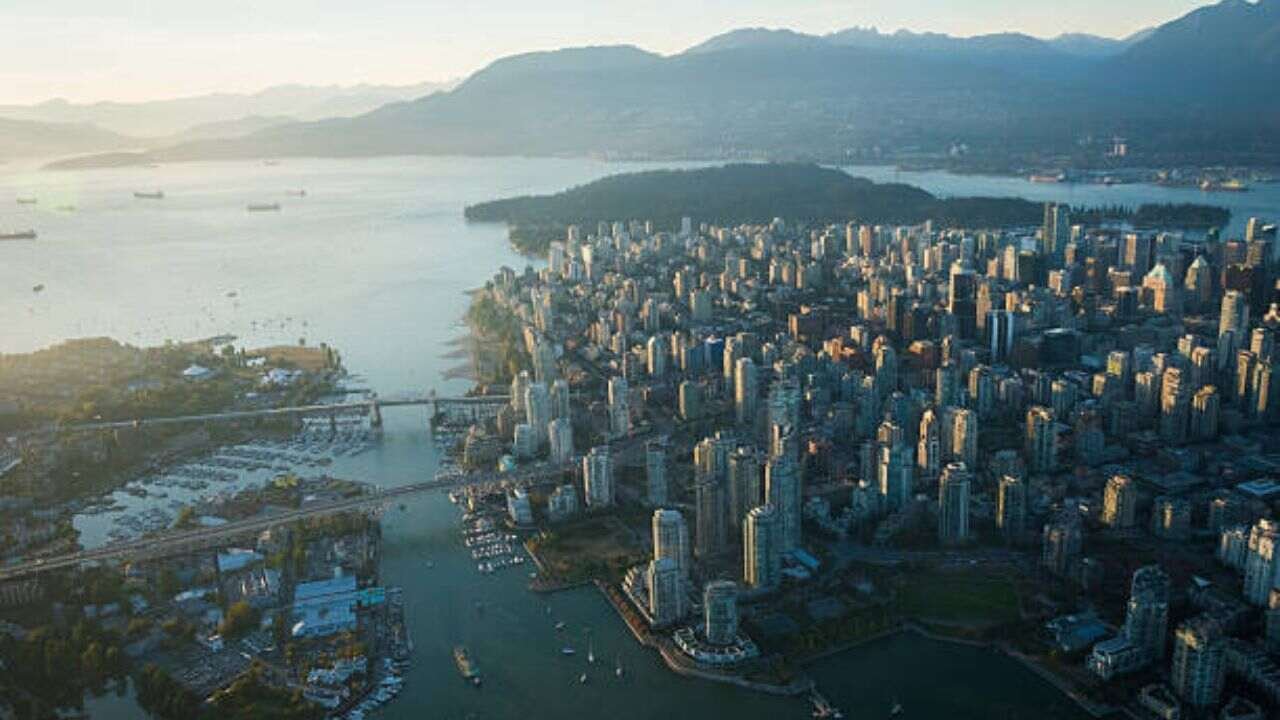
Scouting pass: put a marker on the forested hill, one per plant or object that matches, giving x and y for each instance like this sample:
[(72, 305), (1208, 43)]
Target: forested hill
[(754, 193)]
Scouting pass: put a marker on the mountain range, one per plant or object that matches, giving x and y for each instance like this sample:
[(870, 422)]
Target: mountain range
[(1195, 90), (176, 116)]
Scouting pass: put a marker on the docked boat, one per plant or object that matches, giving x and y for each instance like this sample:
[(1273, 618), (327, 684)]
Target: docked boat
[(149, 195), (466, 666), (264, 207), (18, 235)]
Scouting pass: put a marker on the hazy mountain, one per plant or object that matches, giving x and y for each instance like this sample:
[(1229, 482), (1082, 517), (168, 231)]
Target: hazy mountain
[(232, 128), (1224, 52), (162, 118), (782, 94), (23, 138)]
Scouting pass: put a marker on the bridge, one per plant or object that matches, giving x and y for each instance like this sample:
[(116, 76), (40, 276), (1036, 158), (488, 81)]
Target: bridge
[(475, 405), (182, 542)]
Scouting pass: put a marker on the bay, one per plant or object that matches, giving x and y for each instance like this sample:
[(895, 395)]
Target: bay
[(376, 260)]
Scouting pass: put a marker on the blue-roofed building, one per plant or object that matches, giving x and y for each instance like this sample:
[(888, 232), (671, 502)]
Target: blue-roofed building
[(326, 607)]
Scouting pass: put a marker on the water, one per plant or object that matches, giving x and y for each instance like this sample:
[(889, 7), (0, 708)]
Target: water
[(1262, 200), (376, 260)]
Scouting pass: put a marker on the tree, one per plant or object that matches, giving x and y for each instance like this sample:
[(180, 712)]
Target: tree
[(240, 619)]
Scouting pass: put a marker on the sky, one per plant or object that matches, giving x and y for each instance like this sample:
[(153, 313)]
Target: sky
[(131, 50)]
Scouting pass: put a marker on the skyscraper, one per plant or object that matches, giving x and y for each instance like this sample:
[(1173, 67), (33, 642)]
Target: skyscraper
[(953, 505), (711, 536), (1011, 507), (619, 407), (1262, 564), (746, 489), (1041, 440), (1120, 502), (597, 473), (1175, 407), (745, 391), (1062, 541), (560, 432), (671, 539), (667, 603), (1199, 663), (537, 408), (929, 448), (783, 491), (894, 468), (1147, 619), (720, 612), (761, 550)]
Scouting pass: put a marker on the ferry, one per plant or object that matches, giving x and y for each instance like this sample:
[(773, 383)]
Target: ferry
[(1231, 185), (469, 671), (264, 207), (18, 235), (152, 195)]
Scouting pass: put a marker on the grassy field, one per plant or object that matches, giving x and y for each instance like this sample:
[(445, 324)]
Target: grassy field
[(588, 548), (959, 598)]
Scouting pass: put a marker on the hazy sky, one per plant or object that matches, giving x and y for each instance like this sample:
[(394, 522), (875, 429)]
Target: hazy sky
[(143, 49)]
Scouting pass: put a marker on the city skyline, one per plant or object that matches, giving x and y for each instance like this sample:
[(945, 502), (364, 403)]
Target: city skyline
[(72, 49)]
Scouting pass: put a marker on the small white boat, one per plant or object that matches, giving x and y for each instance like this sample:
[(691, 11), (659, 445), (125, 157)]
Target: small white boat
[(582, 679)]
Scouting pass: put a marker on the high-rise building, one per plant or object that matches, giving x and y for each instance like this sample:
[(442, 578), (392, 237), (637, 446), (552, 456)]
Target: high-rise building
[(1175, 407), (1011, 507), (560, 432), (1262, 564), (962, 430), (929, 448), (746, 489), (711, 535), (1120, 502), (537, 408), (1199, 663), (655, 472), (690, 398), (745, 391), (1002, 330), (1147, 619), (671, 539), (953, 505), (658, 356), (561, 406), (597, 473), (894, 468), (667, 603), (1041, 440), (720, 612), (1198, 285), (784, 403), (619, 407), (962, 298), (783, 491), (1233, 323), (761, 548), (1063, 539)]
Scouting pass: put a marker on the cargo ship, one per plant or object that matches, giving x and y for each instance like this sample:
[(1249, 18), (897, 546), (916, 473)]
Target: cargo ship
[(18, 235), (264, 207), (466, 666), (153, 195), (27, 201)]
